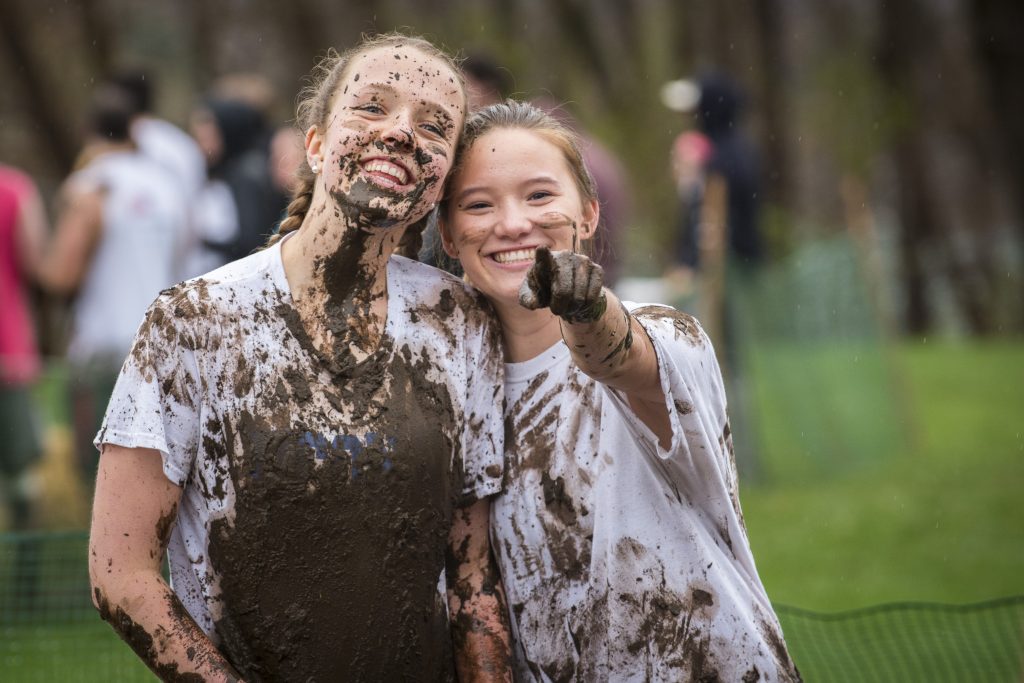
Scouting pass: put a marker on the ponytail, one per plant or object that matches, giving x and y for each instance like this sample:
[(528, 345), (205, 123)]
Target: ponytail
[(302, 197)]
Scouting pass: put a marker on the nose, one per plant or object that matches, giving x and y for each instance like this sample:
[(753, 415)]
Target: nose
[(398, 131), (513, 223)]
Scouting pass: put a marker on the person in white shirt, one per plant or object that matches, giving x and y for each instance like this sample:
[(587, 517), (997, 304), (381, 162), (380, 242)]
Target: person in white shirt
[(118, 240), (312, 431), (161, 140), (619, 533), (173, 149)]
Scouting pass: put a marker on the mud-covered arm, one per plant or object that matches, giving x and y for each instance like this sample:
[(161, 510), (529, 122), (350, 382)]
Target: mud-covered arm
[(476, 601), (605, 341), (134, 510)]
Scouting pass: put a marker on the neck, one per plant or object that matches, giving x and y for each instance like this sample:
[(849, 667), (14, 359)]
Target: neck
[(334, 258), (337, 273), (526, 333)]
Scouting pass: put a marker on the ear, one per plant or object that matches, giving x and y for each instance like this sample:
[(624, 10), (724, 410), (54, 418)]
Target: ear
[(446, 239), (313, 147), (591, 215)]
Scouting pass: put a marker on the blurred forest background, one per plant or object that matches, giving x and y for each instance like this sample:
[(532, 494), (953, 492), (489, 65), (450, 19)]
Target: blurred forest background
[(899, 121), (887, 371)]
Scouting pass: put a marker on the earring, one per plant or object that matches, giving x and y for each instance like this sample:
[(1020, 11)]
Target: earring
[(313, 167)]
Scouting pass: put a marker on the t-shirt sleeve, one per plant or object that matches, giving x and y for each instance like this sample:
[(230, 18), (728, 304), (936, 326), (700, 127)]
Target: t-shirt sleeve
[(483, 430), (154, 403), (694, 394)]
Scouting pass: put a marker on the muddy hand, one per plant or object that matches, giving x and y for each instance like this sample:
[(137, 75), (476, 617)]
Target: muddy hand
[(567, 283)]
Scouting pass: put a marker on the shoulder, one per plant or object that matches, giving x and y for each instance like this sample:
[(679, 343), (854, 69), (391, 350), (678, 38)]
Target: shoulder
[(431, 299), (154, 131), (224, 290), (423, 284), (667, 322)]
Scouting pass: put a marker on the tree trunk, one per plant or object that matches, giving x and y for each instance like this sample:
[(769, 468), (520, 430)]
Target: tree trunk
[(774, 70), (43, 107), (96, 27)]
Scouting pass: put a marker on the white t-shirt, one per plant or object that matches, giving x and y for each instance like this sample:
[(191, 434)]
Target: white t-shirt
[(172, 148), (311, 533), (624, 561), (214, 219), (141, 239)]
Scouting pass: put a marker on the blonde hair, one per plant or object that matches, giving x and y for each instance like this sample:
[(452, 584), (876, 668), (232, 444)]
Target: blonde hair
[(525, 116), (315, 104)]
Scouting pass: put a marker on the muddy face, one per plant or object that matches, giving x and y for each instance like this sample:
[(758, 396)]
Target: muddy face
[(389, 138), (514, 192)]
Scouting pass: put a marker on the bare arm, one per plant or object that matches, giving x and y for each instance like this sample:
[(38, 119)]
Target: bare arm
[(134, 511), (31, 233), (476, 600), (65, 262), (605, 341)]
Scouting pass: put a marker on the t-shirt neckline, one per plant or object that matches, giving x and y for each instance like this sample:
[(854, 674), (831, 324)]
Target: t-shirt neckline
[(527, 369), (280, 281)]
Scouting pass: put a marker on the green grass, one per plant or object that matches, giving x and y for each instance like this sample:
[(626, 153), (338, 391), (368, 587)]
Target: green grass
[(886, 476), (76, 652), (927, 506)]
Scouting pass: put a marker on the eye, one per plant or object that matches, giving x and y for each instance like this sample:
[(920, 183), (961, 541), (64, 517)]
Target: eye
[(370, 108), (539, 195), (434, 129), (475, 206)]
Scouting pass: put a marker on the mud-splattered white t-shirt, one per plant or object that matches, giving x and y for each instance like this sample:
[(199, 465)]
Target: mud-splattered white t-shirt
[(624, 561), (311, 532)]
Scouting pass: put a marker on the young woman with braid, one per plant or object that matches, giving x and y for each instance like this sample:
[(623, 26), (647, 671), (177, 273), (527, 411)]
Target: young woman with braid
[(619, 533), (311, 431)]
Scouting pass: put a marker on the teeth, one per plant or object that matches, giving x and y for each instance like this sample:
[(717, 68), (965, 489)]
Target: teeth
[(517, 255), (387, 168)]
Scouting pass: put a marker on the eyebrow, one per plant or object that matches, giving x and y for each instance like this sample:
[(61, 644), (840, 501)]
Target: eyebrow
[(535, 180)]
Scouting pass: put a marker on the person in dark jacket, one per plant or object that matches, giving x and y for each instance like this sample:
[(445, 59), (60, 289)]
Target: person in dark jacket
[(718, 250), (240, 206)]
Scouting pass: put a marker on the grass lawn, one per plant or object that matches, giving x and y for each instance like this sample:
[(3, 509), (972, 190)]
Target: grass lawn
[(930, 510), (885, 476)]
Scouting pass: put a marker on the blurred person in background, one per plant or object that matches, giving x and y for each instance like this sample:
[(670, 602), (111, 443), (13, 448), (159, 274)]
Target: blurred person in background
[(719, 250), (717, 173), (487, 82), (286, 158), (239, 204), (118, 241), (23, 232), (161, 140)]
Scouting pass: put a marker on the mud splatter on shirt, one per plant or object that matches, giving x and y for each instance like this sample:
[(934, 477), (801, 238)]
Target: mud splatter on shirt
[(621, 560), (311, 535)]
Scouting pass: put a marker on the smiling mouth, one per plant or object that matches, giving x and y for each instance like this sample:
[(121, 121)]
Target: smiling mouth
[(515, 257), (386, 173)]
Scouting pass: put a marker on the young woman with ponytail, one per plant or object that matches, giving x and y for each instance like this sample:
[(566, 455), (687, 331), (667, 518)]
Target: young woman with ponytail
[(312, 432)]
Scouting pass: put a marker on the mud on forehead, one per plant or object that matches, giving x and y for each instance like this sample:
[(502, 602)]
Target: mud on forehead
[(393, 65)]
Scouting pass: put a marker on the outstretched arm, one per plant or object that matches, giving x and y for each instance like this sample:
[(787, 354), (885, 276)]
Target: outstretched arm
[(605, 341), (476, 601), (134, 511)]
